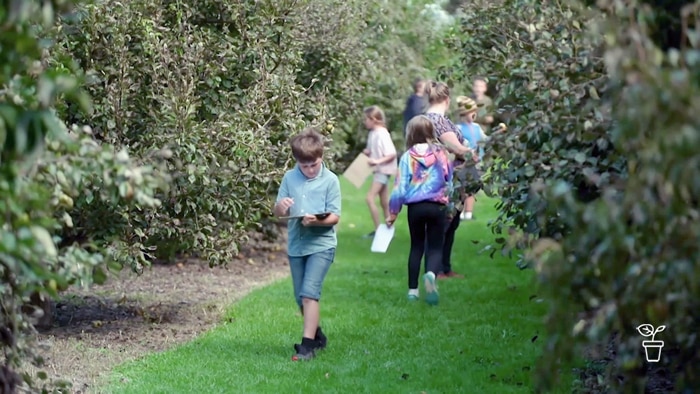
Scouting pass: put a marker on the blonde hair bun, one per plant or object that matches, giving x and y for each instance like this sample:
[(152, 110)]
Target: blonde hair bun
[(437, 92)]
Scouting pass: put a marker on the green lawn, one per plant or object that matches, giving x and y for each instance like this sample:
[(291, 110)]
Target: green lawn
[(478, 340)]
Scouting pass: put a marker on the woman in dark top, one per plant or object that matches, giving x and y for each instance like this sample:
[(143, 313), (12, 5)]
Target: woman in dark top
[(448, 133)]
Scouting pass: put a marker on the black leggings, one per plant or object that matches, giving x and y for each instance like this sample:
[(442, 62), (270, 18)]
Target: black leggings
[(426, 221), (452, 226)]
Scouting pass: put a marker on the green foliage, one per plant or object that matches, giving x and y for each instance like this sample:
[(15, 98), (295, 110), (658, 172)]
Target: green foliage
[(223, 85), (596, 167), (37, 187), (631, 256), (551, 83), (212, 83), (396, 50), (85, 176), (190, 106)]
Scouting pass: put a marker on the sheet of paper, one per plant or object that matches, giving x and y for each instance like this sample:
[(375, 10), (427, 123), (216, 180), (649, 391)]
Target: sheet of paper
[(358, 171), (382, 238)]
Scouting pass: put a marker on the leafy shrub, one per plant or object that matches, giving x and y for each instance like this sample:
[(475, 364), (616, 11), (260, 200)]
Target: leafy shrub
[(190, 106), (550, 80), (212, 82), (631, 256), (396, 51), (83, 176), (595, 167), (37, 187), (223, 85)]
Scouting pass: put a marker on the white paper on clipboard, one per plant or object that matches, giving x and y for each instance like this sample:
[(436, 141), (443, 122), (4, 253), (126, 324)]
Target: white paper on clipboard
[(382, 238)]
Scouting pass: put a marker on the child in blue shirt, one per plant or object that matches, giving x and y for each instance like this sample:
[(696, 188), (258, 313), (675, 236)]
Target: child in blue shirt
[(473, 135), (306, 190)]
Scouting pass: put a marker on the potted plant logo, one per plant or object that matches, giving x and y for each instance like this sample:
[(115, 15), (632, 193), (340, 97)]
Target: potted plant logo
[(652, 348)]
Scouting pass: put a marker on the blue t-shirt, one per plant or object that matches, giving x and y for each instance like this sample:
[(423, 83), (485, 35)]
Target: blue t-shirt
[(472, 135), (311, 195)]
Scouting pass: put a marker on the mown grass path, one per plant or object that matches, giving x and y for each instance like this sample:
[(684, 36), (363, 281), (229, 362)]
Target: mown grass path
[(478, 340)]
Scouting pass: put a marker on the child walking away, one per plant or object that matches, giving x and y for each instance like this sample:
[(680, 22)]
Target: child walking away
[(484, 116), (449, 135), (382, 158), (473, 134), (466, 182), (423, 184), (308, 189)]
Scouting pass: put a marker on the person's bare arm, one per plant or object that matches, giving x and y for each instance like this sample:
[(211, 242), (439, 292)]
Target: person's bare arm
[(487, 116), (383, 160), (282, 207), (284, 201), (311, 220), (486, 119), (450, 140)]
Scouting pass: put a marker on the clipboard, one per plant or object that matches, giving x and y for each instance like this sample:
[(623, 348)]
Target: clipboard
[(358, 171), (319, 216)]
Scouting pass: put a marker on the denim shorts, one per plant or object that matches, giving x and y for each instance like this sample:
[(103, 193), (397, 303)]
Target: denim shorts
[(381, 178), (308, 273)]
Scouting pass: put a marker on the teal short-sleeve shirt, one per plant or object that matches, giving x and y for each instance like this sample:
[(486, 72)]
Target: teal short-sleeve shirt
[(311, 195)]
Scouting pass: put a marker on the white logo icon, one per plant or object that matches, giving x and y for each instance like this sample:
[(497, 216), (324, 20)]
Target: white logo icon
[(652, 348)]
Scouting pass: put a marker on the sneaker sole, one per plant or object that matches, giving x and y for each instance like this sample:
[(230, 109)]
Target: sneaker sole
[(299, 357), (302, 357), (432, 296)]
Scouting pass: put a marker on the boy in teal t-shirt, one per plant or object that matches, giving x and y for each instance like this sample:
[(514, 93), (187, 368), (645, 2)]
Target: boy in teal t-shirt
[(307, 190)]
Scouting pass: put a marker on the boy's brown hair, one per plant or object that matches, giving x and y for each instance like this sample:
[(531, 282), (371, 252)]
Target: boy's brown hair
[(420, 131), (308, 145), (375, 114), (437, 92)]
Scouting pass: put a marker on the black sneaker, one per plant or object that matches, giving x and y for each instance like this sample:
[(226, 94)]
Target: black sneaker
[(303, 353), (370, 235), (321, 339)]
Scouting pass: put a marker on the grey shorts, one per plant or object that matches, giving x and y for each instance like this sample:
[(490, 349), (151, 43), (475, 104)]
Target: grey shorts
[(469, 178), (308, 273), (381, 178)]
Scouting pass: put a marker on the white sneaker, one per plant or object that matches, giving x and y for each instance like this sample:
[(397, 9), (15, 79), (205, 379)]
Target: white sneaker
[(432, 296)]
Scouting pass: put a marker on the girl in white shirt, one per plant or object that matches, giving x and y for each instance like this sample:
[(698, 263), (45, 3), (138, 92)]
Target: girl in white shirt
[(382, 158)]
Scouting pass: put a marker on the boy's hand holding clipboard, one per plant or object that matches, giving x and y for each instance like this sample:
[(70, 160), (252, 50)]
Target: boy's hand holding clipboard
[(319, 216)]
